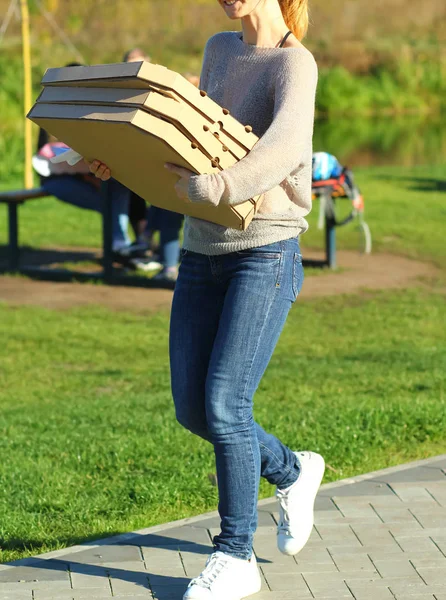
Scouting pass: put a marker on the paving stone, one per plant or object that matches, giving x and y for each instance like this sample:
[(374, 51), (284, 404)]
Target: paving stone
[(279, 582), (117, 568), (356, 511), (168, 580), (105, 553), (377, 589), (25, 595), (337, 532), (377, 535), (174, 536), (384, 594), (433, 521), (416, 544), (42, 570), (325, 504), (402, 530), (396, 515), (416, 475), (79, 580), (71, 595), (395, 568), (411, 588), (362, 488), (323, 586), (169, 594), (135, 585), (413, 493), (354, 562), (329, 517), (409, 529), (429, 561), (283, 595), (318, 555), (16, 587), (433, 576), (417, 597), (155, 558), (206, 523)]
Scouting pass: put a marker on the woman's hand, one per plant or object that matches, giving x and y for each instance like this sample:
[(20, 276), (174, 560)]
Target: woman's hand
[(182, 185), (100, 170)]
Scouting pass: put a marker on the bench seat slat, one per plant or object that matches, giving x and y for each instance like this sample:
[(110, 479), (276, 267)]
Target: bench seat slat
[(21, 195)]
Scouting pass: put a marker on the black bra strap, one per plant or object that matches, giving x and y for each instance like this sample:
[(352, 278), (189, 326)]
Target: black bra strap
[(285, 39)]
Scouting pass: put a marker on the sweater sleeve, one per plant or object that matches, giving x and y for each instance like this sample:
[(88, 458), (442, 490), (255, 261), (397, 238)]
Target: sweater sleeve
[(282, 147)]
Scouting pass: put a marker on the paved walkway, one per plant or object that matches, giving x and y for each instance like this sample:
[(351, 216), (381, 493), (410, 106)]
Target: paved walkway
[(376, 537)]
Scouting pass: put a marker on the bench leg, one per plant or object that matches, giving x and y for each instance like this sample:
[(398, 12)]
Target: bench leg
[(13, 221), (107, 234), (330, 242)]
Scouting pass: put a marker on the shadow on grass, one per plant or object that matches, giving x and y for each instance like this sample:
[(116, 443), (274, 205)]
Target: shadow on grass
[(420, 184), (37, 257)]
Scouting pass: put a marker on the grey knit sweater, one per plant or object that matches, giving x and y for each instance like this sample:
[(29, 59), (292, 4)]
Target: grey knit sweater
[(273, 90)]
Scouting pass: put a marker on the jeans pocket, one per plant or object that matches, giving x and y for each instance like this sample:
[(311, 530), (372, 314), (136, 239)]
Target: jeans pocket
[(183, 252), (253, 252), (298, 274)]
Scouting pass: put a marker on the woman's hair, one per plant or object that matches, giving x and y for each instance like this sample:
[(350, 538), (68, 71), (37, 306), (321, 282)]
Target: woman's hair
[(296, 16)]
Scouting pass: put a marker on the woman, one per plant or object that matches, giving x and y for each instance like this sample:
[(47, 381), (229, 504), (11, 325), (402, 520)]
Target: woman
[(235, 288)]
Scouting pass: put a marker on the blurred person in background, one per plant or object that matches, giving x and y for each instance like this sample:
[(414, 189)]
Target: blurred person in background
[(75, 185), (146, 221)]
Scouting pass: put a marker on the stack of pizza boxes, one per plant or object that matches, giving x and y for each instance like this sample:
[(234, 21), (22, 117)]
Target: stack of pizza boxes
[(135, 117)]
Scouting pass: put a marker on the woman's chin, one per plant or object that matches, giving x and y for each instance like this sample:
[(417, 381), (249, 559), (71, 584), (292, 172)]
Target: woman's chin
[(232, 12)]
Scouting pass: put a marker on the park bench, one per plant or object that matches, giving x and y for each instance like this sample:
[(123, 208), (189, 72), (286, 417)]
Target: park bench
[(13, 199)]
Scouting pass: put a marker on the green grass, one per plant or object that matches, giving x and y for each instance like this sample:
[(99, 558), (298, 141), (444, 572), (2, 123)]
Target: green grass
[(404, 207), (88, 437)]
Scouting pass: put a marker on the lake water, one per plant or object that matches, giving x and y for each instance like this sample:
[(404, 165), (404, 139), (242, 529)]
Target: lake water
[(404, 141)]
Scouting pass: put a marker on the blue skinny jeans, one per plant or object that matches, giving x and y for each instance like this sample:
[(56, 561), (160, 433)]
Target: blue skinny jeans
[(228, 312), (168, 223), (83, 194)]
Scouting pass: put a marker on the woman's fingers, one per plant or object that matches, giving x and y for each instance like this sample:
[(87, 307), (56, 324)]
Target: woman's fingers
[(180, 171), (100, 170)]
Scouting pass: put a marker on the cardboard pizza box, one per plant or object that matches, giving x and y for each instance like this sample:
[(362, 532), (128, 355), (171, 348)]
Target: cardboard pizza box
[(135, 145), (181, 114), (146, 75)]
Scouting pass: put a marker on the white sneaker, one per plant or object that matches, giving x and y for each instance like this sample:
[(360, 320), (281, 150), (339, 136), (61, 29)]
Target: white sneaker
[(297, 504), (225, 577)]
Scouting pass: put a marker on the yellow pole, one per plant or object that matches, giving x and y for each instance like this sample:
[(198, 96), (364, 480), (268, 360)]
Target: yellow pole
[(27, 92)]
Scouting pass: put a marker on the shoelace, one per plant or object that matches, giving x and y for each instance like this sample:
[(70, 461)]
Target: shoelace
[(215, 565), (284, 523)]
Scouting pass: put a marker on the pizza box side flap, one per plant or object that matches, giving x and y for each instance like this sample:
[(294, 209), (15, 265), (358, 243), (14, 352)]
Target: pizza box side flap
[(70, 94), (81, 111)]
